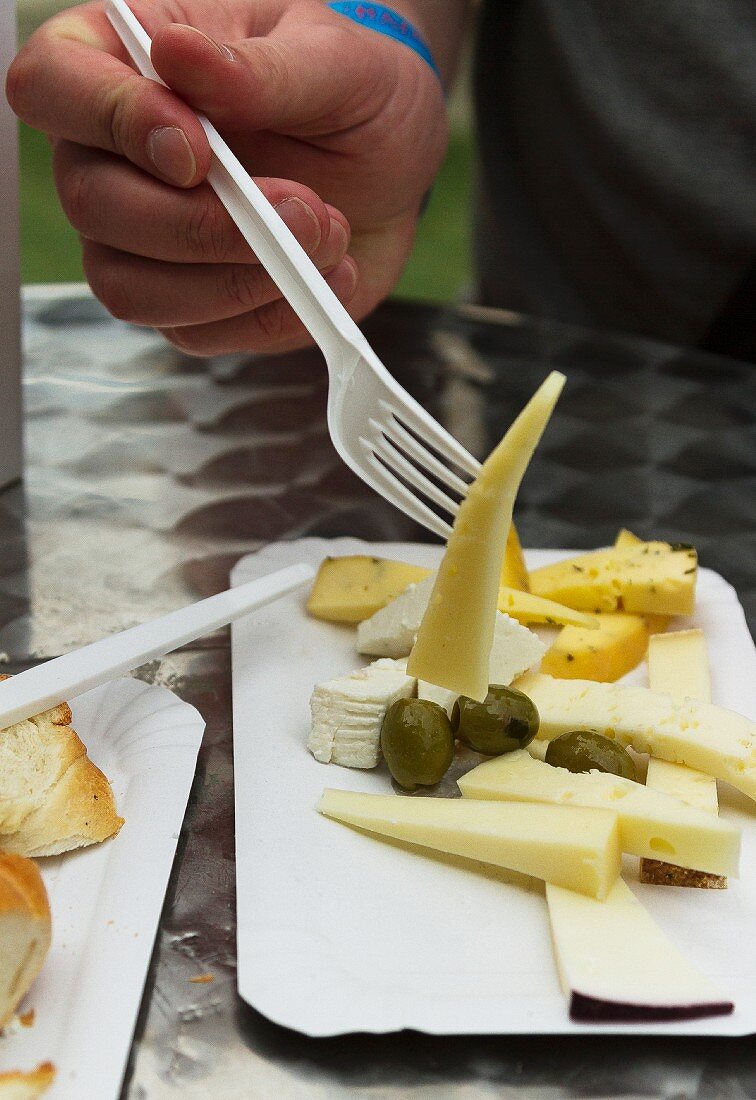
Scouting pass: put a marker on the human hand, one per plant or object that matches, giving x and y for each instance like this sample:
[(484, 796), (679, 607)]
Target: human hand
[(343, 129)]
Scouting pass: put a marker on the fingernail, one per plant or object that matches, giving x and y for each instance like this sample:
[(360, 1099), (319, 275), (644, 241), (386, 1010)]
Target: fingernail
[(172, 154), (302, 221), (224, 51), (343, 280), (338, 240)]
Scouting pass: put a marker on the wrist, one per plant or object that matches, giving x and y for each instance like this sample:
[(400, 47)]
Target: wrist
[(438, 25), (383, 20), (442, 25)]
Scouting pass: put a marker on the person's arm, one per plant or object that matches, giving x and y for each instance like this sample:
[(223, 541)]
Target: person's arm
[(442, 24), (343, 128)]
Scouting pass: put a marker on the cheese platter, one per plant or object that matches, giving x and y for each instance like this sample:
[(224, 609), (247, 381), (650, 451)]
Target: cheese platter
[(559, 793), (340, 930)]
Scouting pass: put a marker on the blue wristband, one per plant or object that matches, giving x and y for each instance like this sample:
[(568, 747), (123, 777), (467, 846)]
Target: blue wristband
[(382, 19)]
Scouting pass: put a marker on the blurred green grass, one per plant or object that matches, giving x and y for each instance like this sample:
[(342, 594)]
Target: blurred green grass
[(440, 265)]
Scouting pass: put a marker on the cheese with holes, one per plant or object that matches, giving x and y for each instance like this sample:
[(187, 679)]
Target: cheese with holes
[(679, 663), (350, 589), (711, 739), (615, 646), (567, 845), (651, 824), (616, 964), (647, 578), (456, 634), (688, 785), (347, 713)]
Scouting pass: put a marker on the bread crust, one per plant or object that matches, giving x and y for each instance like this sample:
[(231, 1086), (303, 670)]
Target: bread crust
[(52, 797), (20, 881), (25, 930), (17, 1085)]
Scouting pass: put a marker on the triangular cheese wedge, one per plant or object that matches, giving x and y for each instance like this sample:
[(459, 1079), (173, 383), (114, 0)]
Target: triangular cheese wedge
[(456, 633)]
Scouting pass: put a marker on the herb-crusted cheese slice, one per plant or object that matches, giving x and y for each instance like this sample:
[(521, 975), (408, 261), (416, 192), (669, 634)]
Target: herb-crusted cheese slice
[(616, 964), (651, 824), (350, 589), (527, 608), (648, 578), (711, 739), (567, 845), (456, 633), (347, 713), (615, 646)]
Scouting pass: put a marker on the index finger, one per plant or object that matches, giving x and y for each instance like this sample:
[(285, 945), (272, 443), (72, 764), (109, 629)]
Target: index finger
[(73, 79)]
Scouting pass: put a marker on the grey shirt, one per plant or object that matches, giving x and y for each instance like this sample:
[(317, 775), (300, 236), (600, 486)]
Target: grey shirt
[(618, 147)]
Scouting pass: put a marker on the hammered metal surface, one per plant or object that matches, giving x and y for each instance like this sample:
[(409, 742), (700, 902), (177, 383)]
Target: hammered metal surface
[(150, 474)]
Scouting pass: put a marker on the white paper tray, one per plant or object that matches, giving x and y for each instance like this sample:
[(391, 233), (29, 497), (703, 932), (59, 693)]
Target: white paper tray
[(106, 900), (339, 931)]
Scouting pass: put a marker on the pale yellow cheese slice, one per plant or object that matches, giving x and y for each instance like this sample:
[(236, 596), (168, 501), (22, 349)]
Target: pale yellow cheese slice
[(708, 738), (679, 664), (456, 633), (692, 787), (615, 963), (567, 845), (651, 824)]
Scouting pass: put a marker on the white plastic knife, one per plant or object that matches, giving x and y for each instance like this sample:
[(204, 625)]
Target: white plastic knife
[(48, 684)]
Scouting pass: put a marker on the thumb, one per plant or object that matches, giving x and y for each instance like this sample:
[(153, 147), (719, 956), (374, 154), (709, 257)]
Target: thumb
[(304, 77)]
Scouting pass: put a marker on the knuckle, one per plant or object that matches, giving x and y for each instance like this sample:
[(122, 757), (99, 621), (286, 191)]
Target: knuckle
[(243, 285), (204, 232), (117, 116)]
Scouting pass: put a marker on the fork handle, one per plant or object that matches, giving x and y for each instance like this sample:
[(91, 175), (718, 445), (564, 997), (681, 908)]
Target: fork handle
[(278, 250)]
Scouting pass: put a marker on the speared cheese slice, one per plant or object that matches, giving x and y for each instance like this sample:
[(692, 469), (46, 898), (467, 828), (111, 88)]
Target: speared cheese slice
[(456, 633)]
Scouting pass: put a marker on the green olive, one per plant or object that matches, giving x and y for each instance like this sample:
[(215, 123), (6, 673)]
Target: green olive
[(417, 742), (585, 751), (506, 720)]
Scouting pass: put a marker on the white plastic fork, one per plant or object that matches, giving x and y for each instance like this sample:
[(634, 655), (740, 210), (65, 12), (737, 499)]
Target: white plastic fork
[(378, 429)]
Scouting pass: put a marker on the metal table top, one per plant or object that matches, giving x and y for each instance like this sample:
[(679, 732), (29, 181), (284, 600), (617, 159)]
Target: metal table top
[(150, 473)]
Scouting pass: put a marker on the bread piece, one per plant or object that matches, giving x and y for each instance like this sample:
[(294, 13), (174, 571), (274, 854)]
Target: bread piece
[(16, 1085), (52, 797), (659, 873), (79, 810), (24, 930)]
